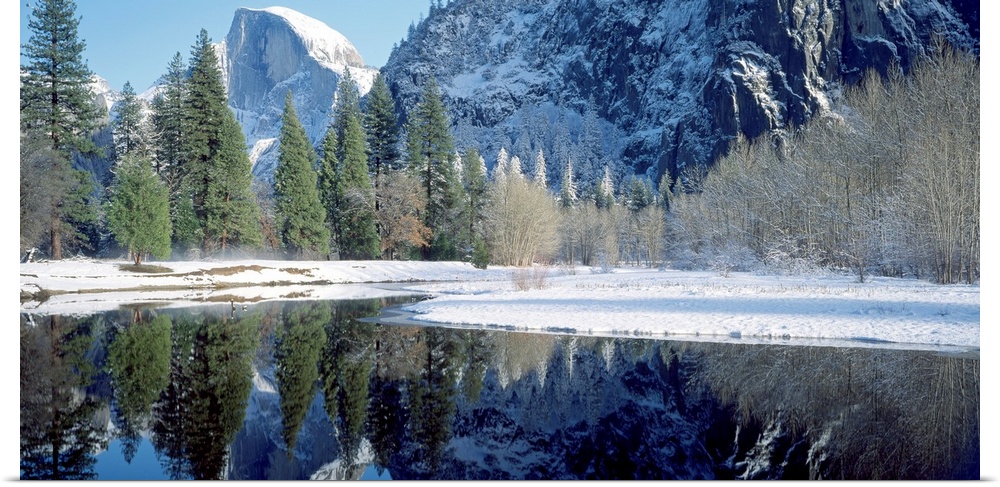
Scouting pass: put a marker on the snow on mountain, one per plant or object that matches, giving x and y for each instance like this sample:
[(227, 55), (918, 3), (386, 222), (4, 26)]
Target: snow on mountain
[(671, 82), (104, 94), (271, 51)]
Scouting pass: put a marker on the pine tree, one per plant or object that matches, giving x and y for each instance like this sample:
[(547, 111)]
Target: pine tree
[(55, 93), (128, 128), (502, 167), (567, 194), (515, 170), (233, 216), (358, 237), (474, 183), (55, 101), (204, 107), (215, 167), (347, 106), (382, 130), (429, 149), (328, 167), (167, 136), (604, 193), (540, 177), (639, 193), (664, 190), (167, 121), (138, 210), (300, 214)]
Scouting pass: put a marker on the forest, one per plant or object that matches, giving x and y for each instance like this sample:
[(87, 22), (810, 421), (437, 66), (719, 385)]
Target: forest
[(885, 182)]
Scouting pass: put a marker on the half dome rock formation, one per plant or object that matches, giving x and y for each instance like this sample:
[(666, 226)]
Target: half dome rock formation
[(273, 50)]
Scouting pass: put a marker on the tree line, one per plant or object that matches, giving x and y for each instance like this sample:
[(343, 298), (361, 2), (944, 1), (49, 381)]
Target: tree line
[(885, 182)]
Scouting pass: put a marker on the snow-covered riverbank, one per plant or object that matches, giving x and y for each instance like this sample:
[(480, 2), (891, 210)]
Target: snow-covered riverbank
[(827, 309)]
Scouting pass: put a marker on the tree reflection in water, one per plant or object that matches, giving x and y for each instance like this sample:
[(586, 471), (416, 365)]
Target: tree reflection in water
[(202, 408), (59, 428), (431, 402)]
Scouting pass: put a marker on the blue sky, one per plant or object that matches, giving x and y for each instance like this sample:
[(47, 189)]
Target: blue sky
[(134, 40)]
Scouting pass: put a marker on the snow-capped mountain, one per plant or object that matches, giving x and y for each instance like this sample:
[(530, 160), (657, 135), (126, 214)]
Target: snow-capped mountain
[(104, 95), (671, 81), (271, 51)]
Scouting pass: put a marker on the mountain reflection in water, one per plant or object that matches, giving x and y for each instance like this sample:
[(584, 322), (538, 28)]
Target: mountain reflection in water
[(299, 390)]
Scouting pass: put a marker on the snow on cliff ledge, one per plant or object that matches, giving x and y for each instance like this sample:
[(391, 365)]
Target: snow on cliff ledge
[(327, 46)]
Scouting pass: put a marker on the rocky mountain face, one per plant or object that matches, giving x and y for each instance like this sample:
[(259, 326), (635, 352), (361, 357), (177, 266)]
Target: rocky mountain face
[(671, 82), (270, 51)]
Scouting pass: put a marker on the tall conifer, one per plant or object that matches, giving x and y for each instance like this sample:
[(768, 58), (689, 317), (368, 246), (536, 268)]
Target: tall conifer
[(327, 169), (127, 128), (429, 152), (215, 167), (55, 93), (359, 236), (382, 131), (300, 213), (56, 102), (167, 121), (233, 216)]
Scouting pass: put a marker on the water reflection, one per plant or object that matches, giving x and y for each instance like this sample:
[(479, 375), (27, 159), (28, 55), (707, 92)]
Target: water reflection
[(304, 390)]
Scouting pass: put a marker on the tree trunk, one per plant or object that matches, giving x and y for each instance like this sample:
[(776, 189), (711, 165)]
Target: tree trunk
[(56, 238)]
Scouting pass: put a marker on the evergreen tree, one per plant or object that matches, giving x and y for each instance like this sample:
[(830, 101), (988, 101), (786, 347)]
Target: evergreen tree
[(204, 108), (429, 149), (139, 365), (382, 130), (358, 237), (327, 169), (55, 93), (639, 194), (474, 183), (58, 434), (168, 121), (664, 190), (604, 192), (167, 138), (591, 145), (540, 177), (233, 216), (215, 167), (515, 170), (300, 214), (55, 101), (567, 194), (203, 406), (138, 211), (128, 127), (503, 165)]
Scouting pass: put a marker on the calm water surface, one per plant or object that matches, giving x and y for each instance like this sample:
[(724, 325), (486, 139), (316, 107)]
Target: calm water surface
[(301, 390)]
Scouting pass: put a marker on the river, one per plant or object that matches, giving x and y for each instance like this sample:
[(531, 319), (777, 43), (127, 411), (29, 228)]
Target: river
[(300, 390)]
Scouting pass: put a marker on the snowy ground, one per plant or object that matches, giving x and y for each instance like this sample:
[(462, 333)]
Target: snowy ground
[(829, 310)]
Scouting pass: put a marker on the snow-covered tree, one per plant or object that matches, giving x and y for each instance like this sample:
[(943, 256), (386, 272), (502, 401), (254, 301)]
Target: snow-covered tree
[(567, 194), (128, 127), (515, 170), (540, 178), (502, 167)]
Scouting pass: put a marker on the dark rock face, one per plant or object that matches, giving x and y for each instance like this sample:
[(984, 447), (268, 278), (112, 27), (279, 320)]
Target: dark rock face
[(677, 80), (271, 51)]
